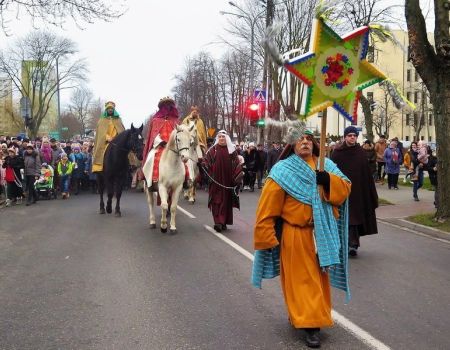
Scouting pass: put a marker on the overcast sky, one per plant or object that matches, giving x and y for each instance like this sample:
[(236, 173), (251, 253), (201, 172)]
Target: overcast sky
[(133, 60)]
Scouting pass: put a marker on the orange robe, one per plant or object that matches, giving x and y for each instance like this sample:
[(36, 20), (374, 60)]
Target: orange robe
[(305, 287)]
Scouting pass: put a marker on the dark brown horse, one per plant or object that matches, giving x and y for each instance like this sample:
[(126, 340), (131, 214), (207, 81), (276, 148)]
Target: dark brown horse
[(116, 166)]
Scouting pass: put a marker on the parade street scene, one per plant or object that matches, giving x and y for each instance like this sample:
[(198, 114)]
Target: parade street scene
[(211, 174)]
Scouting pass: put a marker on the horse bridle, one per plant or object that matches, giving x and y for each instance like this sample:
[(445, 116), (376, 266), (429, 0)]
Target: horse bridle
[(176, 143)]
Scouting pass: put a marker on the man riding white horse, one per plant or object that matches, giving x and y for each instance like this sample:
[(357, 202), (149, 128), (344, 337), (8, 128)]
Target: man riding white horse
[(160, 127), (200, 139)]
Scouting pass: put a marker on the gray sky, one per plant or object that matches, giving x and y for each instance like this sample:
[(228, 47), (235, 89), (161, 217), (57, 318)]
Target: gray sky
[(133, 60)]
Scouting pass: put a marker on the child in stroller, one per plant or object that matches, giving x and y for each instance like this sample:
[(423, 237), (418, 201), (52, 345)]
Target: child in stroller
[(44, 185)]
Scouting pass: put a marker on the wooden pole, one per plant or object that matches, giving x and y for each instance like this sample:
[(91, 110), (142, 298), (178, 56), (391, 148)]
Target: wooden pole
[(323, 138)]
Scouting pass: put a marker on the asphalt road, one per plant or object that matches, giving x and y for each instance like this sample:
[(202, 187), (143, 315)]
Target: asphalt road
[(73, 279)]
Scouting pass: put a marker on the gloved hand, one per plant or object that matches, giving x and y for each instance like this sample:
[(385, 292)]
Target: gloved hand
[(323, 178)]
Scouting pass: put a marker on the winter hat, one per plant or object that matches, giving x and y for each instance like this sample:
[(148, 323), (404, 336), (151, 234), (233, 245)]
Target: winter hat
[(351, 130), (251, 144), (29, 146)]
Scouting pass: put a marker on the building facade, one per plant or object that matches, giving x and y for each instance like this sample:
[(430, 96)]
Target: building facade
[(7, 126)]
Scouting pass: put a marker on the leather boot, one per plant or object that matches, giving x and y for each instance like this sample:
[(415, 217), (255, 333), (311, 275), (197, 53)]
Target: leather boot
[(312, 337)]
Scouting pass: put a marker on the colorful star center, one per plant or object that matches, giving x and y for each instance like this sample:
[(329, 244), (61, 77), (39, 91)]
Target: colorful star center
[(336, 72)]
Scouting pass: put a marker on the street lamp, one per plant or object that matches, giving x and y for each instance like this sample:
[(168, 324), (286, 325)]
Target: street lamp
[(252, 21), (57, 91)]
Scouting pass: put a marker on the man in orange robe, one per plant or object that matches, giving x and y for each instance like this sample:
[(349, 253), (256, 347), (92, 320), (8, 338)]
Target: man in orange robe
[(289, 194)]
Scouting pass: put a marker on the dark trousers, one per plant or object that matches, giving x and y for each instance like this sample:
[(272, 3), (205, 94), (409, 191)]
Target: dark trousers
[(259, 177), (418, 184), (353, 236), (392, 180), (13, 191), (381, 165), (32, 196)]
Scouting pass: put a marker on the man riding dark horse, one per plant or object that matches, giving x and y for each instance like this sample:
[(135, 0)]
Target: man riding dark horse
[(108, 126)]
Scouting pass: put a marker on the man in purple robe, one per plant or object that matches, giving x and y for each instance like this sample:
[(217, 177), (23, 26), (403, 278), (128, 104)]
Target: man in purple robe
[(224, 171)]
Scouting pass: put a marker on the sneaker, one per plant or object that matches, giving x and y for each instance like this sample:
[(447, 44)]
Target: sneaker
[(416, 199), (395, 188), (8, 203)]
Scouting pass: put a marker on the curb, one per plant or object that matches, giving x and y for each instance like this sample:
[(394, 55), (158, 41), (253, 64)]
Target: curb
[(430, 231)]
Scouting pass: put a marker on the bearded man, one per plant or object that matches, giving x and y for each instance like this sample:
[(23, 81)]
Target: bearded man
[(109, 125), (300, 234)]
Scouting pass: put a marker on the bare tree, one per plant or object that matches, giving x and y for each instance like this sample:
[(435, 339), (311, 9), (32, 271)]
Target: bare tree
[(32, 65), (384, 113), (433, 66), (95, 112), (80, 106), (362, 13), (56, 12), (72, 125)]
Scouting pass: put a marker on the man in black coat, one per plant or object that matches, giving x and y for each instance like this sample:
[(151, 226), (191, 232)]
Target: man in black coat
[(273, 155), (261, 164), (352, 161)]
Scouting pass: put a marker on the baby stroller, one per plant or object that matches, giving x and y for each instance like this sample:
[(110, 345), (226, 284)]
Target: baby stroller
[(46, 189)]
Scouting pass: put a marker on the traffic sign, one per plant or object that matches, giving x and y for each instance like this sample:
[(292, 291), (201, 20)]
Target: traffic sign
[(211, 132), (64, 128), (54, 134), (259, 95)]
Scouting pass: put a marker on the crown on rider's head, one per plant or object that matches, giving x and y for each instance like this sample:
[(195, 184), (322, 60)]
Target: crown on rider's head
[(110, 104), (165, 100)]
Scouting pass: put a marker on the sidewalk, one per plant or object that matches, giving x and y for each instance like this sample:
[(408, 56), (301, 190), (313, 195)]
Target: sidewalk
[(404, 206)]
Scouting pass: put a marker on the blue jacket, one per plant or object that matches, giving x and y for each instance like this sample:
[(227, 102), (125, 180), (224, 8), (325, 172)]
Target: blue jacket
[(393, 163)]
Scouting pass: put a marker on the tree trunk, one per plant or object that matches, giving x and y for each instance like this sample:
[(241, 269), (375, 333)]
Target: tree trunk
[(368, 117), (442, 125), (433, 67)]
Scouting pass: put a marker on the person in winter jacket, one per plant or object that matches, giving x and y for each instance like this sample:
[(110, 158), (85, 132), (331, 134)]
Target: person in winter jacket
[(32, 171), (65, 169), (251, 158), (393, 160), (380, 147), (12, 164), (371, 155)]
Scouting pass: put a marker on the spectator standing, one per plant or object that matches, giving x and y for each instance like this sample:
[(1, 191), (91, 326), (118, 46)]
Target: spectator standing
[(32, 171), (363, 200), (13, 163), (273, 155), (78, 159), (251, 158), (393, 159), (380, 147), (371, 155), (65, 169), (261, 167)]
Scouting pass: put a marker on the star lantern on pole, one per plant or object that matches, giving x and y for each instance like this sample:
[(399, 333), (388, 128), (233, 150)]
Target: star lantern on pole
[(335, 70)]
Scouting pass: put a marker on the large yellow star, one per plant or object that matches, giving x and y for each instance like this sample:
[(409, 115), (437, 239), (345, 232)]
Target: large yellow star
[(335, 70)]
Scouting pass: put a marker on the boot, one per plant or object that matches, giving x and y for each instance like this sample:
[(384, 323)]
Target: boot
[(218, 228), (312, 337)]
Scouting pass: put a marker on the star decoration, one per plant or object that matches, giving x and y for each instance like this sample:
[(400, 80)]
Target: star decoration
[(335, 70)]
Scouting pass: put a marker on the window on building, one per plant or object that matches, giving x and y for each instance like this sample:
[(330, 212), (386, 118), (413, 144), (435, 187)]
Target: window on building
[(407, 121), (408, 57), (422, 138), (371, 54), (416, 76), (430, 119), (408, 96), (416, 96), (370, 96), (407, 138), (408, 75), (429, 138)]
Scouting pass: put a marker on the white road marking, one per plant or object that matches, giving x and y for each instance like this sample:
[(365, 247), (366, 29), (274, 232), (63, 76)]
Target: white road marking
[(341, 320), (415, 232), (184, 211)]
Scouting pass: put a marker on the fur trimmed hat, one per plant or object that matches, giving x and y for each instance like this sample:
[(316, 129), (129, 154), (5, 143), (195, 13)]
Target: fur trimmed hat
[(110, 104), (351, 130)]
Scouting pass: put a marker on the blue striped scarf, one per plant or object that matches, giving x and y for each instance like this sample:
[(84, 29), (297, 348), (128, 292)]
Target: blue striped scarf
[(297, 178)]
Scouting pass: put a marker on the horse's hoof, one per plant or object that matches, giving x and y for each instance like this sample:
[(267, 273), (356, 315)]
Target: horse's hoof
[(117, 214), (152, 225), (108, 209), (163, 230), (173, 232), (192, 201), (186, 196), (101, 211)]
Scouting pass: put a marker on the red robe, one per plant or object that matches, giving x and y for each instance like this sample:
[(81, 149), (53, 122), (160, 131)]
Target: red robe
[(225, 169), (163, 127)]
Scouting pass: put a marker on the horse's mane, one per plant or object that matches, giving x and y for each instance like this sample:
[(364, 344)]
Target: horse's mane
[(121, 137), (171, 141)]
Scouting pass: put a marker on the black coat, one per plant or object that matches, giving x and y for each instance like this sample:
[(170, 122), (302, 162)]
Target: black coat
[(272, 157), (16, 163), (252, 160), (363, 200)]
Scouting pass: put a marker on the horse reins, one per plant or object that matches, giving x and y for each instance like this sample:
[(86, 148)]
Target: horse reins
[(176, 143), (234, 188)]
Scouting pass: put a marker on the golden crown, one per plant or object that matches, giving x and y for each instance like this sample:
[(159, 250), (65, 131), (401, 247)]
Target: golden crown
[(164, 100)]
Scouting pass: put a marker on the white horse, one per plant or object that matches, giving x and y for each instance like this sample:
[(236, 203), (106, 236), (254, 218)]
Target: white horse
[(171, 176), (192, 164)]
